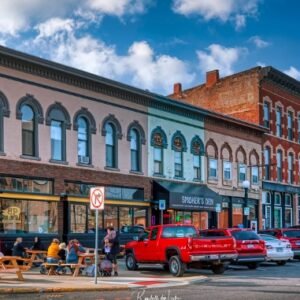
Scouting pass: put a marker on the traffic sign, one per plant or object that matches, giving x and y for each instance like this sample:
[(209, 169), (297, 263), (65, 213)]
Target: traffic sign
[(246, 211), (97, 198), (162, 204), (218, 207)]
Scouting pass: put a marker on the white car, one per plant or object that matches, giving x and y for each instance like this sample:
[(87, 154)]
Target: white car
[(279, 251)]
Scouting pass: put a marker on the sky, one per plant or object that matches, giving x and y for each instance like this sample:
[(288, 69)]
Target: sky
[(152, 44)]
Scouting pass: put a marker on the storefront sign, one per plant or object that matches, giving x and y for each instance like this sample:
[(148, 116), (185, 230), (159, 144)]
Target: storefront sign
[(280, 187), (11, 215), (191, 202)]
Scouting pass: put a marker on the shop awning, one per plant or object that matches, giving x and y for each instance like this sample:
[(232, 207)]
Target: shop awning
[(188, 196)]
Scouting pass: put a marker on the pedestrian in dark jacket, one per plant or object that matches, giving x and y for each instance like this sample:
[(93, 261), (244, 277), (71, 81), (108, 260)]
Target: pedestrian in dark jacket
[(37, 244), (18, 248)]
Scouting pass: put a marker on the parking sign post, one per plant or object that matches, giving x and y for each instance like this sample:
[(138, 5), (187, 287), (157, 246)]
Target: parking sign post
[(162, 207), (96, 203)]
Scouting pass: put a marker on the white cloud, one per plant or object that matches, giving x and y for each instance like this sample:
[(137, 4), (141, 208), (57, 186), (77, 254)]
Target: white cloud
[(140, 66), (219, 57), (259, 42), (293, 72), (224, 10), (261, 64)]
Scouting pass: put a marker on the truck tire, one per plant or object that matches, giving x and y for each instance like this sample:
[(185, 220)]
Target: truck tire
[(177, 268), (281, 263), (131, 262), (252, 266), (218, 269)]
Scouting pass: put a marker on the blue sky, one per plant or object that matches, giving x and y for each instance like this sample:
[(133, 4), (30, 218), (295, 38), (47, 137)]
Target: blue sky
[(152, 44)]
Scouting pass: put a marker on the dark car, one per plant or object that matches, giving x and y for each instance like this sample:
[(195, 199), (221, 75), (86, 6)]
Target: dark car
[(289, 234)]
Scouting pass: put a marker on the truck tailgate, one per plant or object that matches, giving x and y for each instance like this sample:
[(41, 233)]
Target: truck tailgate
[(210, 245)]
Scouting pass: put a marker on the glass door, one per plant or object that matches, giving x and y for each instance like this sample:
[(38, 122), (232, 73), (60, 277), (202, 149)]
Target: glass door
[(277, 217)]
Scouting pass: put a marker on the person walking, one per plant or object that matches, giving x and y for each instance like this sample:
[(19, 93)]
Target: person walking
[(112, 239)]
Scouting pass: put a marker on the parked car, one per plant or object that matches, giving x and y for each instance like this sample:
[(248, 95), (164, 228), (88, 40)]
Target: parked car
[(279, 251), (178, 247), (250, 247), (289, 234)]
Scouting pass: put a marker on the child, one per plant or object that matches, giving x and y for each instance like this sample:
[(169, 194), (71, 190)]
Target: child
[(62, 258), (107, 248)]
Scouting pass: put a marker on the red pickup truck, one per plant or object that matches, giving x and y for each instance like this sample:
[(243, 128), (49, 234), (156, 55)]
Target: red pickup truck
[(178, 247)]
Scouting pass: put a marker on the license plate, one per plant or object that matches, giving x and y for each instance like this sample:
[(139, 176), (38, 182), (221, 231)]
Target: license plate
[(279, 249), (298, 243), (250, 246)]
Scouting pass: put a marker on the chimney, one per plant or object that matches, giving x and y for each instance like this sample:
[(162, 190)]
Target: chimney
[(177, 90), (212, 77)]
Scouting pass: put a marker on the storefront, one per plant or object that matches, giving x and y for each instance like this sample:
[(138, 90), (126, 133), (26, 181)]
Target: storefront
[(279, 210), (187, 203)]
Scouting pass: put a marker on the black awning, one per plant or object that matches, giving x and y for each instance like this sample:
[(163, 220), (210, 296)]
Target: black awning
[(189, 196)]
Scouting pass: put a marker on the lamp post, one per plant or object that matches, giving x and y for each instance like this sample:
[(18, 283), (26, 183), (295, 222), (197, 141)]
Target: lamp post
[(246, 185)]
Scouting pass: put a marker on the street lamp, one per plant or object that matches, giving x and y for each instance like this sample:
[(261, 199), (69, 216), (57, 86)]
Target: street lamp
[(246, 185)]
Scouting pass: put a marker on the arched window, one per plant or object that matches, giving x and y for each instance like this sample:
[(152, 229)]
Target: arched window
[(59, 120), (83, 141), (279, 165), (4, 112), (85, 125), (158, 142), (212, 160), (135, 150), (290, 168), (197, 149), (179, 146), (30, 112), (110, 142), (136, 137), (28, 131)]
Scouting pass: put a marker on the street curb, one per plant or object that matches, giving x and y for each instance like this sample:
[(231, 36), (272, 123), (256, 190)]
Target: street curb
[(29, 290)]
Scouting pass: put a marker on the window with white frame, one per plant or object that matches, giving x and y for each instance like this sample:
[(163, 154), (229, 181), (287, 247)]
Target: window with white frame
[(227, 170), (254, 175), (268, 198), (267, 153), (242, 173), (290, 168), (279, 121), (268, 220), (288, 200), (266, 114), (197, 166), (279, 165), (212, 168), (290, 125)]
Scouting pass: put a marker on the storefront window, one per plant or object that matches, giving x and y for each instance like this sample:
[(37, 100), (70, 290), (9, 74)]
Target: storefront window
[(277, 217), (288, 217), (268, 217), (111, 216), (223, 218), (237, 214), (23, 216), (78, 218), (252, 212), (125, 214), (92, 220), (140, 216)]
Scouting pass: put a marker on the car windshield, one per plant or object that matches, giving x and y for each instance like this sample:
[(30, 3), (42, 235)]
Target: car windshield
[(292, 233), (245, 235), (179, 232), (212, 233), (267, 237)]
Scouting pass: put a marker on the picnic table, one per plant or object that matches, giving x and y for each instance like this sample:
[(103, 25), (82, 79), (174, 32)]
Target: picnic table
[(9, 264), (35, 256)]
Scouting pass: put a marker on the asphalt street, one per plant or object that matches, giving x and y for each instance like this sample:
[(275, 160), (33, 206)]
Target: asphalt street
[(269, 281)]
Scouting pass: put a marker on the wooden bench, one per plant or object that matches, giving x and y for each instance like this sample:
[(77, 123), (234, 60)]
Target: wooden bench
[(51, 267), (9, 264)]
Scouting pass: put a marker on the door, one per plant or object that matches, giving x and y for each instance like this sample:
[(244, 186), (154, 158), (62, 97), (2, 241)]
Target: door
[(150, 247), (277, 217)]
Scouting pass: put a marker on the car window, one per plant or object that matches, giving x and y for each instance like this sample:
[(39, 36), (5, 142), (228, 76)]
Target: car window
[(179, 232), (154, 234), (292, 233), (144, 236), (168, 232), (138, 229), (245, 235), (211, 233), (267, 237)]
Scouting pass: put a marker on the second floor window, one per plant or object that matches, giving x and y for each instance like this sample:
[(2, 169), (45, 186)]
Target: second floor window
[(110, 145), (278, 122), (299, 129), (56, 140), (178, 164), (83, 141), (290, 126), (290, 168), (197, 166), (158, 160), (212, 168), (279, 165), (227, 170), (28, 131), (254, 175), (135, 150), (267, 153), (266, 114), (242, 173)]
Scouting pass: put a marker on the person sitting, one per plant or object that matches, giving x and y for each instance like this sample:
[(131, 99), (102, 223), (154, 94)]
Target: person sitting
[(62, 258), (37, 244), (52, 253), (18, 248), (73, 249)]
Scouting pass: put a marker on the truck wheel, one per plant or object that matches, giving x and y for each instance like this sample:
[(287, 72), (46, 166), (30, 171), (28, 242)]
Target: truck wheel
[(281, 263), (218, 269), (131, 262), (177, 268), (252, 266)]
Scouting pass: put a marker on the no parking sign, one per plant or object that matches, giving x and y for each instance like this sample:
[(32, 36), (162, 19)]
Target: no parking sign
[(97, 198)]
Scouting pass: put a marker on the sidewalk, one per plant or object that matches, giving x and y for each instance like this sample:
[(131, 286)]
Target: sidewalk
[(34, 282)]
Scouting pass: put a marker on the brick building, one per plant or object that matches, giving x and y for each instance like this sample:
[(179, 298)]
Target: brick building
[(270, 98)]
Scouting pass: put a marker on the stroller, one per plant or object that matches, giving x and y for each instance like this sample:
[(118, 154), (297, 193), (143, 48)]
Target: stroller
[(105, 267)]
